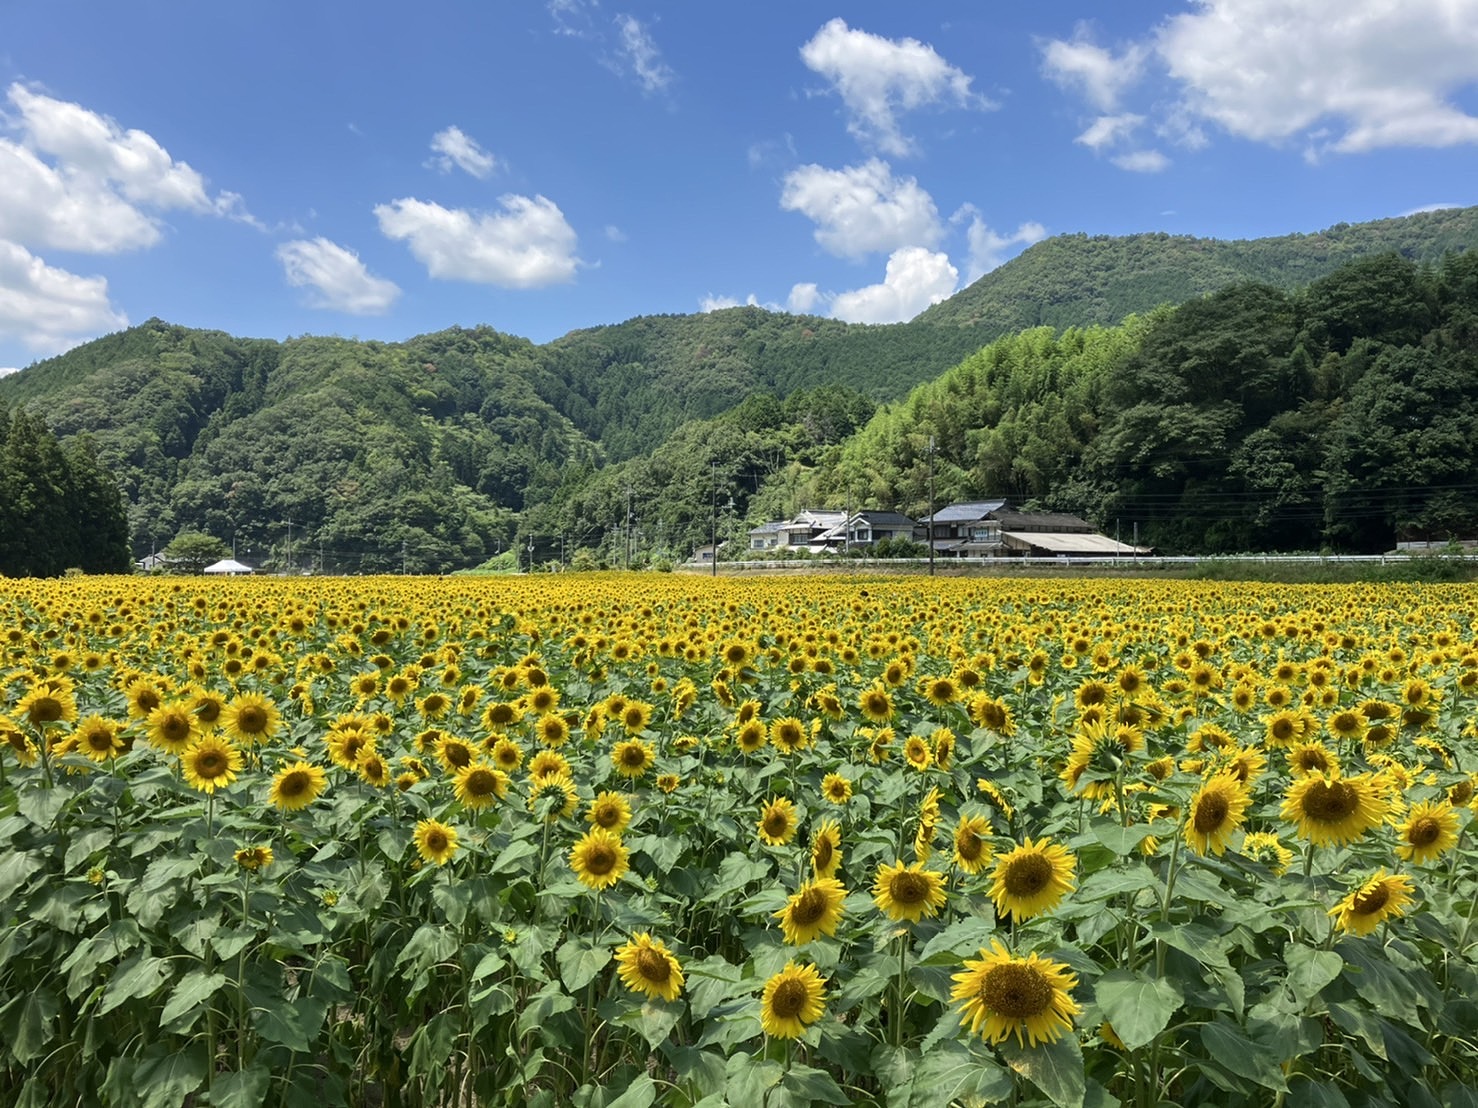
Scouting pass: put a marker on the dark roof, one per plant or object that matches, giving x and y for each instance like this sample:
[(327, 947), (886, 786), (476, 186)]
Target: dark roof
[(961, 513), (1039, 521), (886, 519)]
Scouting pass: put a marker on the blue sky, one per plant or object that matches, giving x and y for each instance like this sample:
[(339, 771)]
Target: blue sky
[(380, 169)]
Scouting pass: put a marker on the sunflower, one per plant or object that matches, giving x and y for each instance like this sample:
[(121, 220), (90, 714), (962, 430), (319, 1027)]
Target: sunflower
[(635, 716), (645, 965), (836, 788), (908, 892), (876, 704), (1031, 879), (993, 714), (826, 848), (99, 739), (633, 757), (918, 753), (1349, 724), (668, 782), (939, 691), (1428, 833), (991, 791), (251, 718), (454, 753), (610, 812), (1380, 898), (1264, 847), (507, 755), (793, 999), (373, 769), (815, 909), (553, 730), (549, 763), (971, 849), (51, 701), (1283, 728), (1216, 810), (208, 707), (789, 734), (1001, 995), (777, 825), (1334, 810), (598, 858), (254, 858), (497, 716), (210, 763), (553, 796), (435, 841), (751, 735), (171, 727), (1313, 757), (296, 787), (479, 784)]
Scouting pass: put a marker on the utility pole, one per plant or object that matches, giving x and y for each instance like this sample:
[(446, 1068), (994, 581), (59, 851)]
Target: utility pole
[(628, 526), (403, 569), (714, 558), (289, 545), (929, 531)]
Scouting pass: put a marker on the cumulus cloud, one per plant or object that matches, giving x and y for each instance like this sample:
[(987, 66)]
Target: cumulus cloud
[(338, 279), (862, 209), (988, 248), (49, 309), (1379, 74), (1109, 130), (528, 244), (76, 180), (803, 298), (639, 53), (914, 279), (1141, 161), (1099, 74), (879, 78), (7, 371), (457, 150)]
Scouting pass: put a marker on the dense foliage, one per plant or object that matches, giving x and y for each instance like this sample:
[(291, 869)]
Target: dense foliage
[(447, 449), (60, 509), (626, 842), (1251, 419)]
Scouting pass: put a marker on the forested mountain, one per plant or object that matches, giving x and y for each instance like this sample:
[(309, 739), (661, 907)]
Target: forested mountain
[(1077, 280), (436, 452), (1339, 416)]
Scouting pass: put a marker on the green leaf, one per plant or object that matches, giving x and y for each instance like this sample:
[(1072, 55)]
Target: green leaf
[(30, 1029), (1055, 1068), (511, 855), (15, 871), (962, 939), (1235, 1054), (956, 1071), (703, 1070), (1307, 1092), (1123, 841), (1138, 1006), (639, 1094), (168, 1079), (140, 976), (244, 1089), (654, 1021), (190, 993), (1309, 970), (711, 982), (41, 806), (579, 961), (294, 1024), (749, 1078), (813, 1086)]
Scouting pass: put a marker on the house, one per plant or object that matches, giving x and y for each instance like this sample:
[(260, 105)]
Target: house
[(767, 536), (1067, 544), (862, 529), (968, 530)]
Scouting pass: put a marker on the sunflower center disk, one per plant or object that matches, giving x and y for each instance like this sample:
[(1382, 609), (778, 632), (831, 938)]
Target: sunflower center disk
[(1211, 813), (1027, 876), (908, 888), (809, 907), (789, 999), (1016, 992), (600, 860), (968, 846), (653, 966), (1424, 832), (1331, 802), (1366, 903)]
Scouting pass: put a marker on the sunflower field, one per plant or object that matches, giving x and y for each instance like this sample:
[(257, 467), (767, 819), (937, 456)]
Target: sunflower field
[(617, 841)]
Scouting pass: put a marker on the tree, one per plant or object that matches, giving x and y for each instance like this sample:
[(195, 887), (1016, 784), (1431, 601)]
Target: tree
[(192, 551)]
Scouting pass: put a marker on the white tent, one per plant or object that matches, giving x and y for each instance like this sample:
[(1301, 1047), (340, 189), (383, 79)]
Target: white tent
[(229, 566)]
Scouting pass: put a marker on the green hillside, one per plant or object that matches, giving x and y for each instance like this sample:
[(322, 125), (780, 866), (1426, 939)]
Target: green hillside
[(436, 452), (1076, 280)]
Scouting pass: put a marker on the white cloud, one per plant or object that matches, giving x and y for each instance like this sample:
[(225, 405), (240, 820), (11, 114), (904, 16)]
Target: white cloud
[(6, 372), (1097, 73), (614, 233), (879, 78), (862, 209), (75, 180), (526, 245), (803, 298), (49, 309), (1109, 130), (339, 279), (1375, 72), (1141, 161), (712, 303), (988, 249), (914, 279), (458, 150), (636, 50)]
